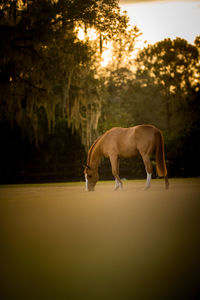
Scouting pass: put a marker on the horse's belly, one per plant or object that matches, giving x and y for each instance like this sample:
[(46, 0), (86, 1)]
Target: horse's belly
[(120, 152), (128, 152), (127, 149)]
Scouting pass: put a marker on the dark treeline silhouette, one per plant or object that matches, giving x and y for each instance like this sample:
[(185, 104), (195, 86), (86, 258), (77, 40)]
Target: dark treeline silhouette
[(56, 98)]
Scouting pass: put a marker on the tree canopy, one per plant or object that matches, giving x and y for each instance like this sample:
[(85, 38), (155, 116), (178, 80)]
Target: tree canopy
[(45, 68)]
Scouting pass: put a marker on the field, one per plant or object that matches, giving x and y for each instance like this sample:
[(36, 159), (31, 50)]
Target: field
[(60, 242)]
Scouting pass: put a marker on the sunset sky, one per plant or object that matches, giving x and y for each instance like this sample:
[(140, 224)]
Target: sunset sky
[(161, 19)]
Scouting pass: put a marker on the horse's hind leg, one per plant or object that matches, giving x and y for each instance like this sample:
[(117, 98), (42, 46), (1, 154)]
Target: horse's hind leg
[(114, 160), (166, 183), (149, 169)]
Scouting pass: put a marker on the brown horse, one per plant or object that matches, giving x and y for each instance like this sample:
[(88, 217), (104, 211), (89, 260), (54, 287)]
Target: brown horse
[(126, 142)]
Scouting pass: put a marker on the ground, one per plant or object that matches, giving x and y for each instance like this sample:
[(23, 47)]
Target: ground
[(60, 242)]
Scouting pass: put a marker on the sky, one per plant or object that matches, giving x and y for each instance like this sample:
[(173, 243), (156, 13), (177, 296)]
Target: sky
[(159, 19)]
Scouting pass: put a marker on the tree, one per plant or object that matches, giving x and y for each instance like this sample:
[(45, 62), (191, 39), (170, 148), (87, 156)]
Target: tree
[(123, 49), (41, 57), (170, 68), (117, 76)]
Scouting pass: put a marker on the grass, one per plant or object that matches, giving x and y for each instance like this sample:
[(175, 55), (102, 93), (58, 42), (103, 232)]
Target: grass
[(59, 242)]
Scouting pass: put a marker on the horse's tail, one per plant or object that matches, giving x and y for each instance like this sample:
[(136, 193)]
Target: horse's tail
[(160, 155)]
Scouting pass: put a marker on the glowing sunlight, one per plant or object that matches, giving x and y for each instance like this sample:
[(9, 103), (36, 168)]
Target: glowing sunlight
[(91, 33), (106, 57), (165, 19), (156, 20)]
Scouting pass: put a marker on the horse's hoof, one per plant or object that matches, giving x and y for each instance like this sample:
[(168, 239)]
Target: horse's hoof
[(118, 187), (115, 189), (146, 188)]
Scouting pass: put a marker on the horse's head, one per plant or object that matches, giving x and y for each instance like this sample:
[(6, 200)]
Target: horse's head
[(91, 178)]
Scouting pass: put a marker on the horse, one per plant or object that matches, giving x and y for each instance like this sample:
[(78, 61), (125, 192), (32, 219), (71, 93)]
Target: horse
[(119, 143)]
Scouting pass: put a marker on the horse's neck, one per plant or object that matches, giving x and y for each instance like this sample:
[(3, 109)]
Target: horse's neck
[(95, 158)]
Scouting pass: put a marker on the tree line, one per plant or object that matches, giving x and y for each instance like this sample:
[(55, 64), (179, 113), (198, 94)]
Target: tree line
[(56, 97)]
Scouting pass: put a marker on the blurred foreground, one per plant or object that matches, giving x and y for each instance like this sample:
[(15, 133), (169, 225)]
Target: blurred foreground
[(60, 242)]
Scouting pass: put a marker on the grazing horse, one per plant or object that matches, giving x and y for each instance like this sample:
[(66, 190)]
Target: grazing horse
[(126, 142)]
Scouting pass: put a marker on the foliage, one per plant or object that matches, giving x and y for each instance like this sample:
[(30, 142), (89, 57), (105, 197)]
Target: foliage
[(44, 65), (170, 67), (118, 76)]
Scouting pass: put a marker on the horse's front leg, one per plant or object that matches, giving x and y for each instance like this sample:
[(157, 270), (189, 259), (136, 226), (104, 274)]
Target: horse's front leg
[(118, 184), (114, 160)]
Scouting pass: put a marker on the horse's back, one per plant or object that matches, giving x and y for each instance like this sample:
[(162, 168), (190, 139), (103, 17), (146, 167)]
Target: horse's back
[(126, 142), (120, 141)]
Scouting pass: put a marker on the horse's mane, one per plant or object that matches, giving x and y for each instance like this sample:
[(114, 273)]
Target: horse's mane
[(92, 148)]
